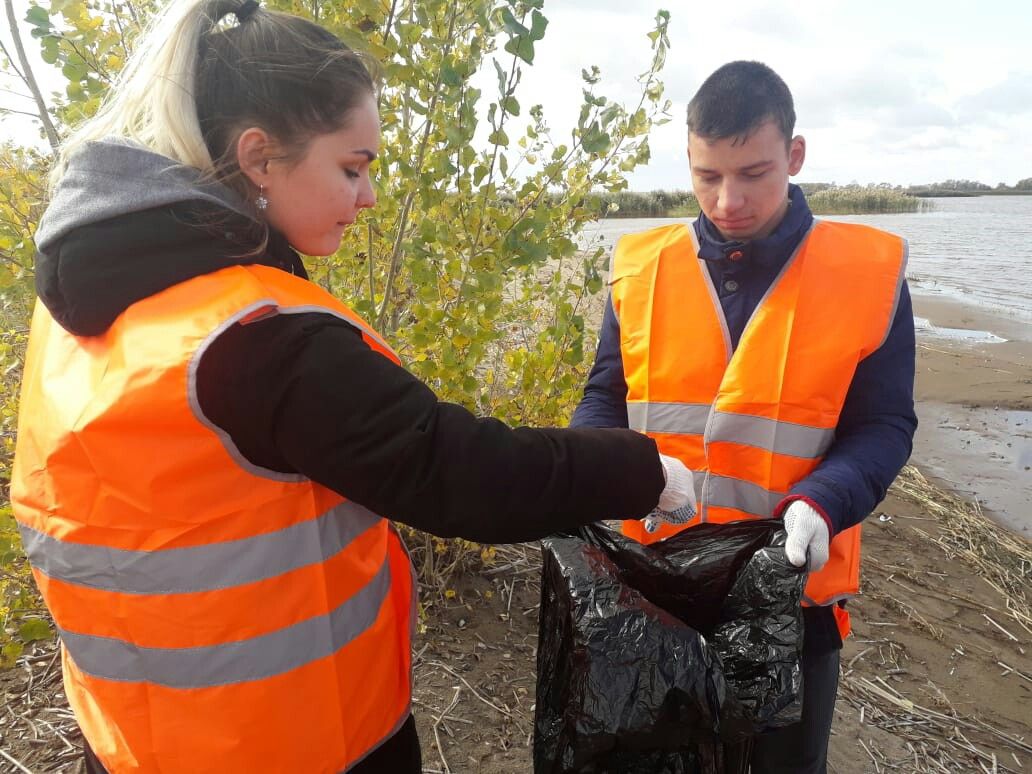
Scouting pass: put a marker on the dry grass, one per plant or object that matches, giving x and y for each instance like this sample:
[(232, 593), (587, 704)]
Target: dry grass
[(1002, 558), (935, 735)]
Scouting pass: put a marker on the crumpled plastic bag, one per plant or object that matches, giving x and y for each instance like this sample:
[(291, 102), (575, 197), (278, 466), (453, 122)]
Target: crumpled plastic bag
[(669, 657)]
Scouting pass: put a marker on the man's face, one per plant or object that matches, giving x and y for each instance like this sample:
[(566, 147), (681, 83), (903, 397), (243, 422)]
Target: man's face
[(743, 188)]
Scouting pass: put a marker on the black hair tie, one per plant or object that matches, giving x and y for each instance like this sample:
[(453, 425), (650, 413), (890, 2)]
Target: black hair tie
[(246, 11)]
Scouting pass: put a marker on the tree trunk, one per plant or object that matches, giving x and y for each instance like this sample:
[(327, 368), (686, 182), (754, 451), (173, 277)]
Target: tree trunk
[(30, 79)]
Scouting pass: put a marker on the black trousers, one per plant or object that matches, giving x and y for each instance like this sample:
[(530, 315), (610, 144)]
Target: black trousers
[(398, 755), (802, 748)]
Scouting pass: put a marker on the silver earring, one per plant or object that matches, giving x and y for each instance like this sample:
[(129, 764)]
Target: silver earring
[(260, 201)]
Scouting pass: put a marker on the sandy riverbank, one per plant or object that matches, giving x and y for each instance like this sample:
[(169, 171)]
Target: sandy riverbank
[(974, 402)]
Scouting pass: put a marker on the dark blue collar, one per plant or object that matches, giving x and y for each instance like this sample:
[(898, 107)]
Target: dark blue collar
[(770, 250)]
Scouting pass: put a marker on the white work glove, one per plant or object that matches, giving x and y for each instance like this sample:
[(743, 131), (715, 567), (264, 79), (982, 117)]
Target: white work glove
[(807, 533), (677, 501)]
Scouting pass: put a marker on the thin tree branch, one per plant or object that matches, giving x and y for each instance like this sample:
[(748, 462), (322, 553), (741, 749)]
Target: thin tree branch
[(10, 58), (372, 281), (30, 79), (132, 12), (395, 264), (16, 93), (18, 112), (390, 21), (121, 31)]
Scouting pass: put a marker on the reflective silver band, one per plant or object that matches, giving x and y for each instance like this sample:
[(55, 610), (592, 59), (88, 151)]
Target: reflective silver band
[(676, 418), (256, 658), (724, 492), (788, 438), (199, 568)]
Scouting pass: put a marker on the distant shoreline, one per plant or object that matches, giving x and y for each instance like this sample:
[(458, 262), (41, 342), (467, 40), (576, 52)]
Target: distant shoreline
[(830, 200), (957, 194)]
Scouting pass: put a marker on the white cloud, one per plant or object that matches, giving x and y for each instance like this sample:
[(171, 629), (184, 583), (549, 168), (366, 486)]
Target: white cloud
[(1011, 96), (903, 92)]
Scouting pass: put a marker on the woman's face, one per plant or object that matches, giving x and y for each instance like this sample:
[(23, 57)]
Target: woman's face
[(313, 201)]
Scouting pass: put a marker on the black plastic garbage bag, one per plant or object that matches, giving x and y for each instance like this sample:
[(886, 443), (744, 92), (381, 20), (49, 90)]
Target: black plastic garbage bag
[(665, 658)]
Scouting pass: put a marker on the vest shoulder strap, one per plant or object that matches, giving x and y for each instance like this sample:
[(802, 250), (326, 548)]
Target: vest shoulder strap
[(634, 252)]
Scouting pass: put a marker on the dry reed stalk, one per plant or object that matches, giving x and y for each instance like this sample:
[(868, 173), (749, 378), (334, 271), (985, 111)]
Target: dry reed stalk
[(1001, 557)]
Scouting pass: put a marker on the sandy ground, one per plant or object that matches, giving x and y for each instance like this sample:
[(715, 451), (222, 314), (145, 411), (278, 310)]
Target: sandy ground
[(975, 410), (938, 674)]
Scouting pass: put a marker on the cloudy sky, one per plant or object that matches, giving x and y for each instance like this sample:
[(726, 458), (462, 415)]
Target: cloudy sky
[(898, 91)]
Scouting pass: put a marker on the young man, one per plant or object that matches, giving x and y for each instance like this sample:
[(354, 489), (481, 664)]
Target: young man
[(772, 353)]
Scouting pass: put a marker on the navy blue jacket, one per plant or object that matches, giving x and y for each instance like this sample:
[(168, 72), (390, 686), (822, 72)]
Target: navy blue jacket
[(874, 435)]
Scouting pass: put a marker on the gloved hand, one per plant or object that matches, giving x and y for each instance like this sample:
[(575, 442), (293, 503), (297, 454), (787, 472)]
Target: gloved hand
[(677, 503), (806, 530)]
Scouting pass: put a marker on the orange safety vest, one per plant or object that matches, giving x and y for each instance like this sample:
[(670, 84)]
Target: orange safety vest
[(752, 423), (214, 615)]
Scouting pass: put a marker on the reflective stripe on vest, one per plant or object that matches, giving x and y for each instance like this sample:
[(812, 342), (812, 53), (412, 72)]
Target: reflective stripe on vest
[(198, 596), (788, 438), (200, 568), (753, 422), (251, 659)]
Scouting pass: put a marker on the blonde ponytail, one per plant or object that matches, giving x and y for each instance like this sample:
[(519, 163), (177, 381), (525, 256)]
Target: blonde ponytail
[(152, 101)]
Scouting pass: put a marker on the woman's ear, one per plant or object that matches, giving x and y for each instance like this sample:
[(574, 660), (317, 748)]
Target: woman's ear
[(254, 149)]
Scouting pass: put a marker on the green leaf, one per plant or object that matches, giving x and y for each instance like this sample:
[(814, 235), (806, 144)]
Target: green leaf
[(38, 17), (594, 140), (538, 23), (74, 71), (521, 47), (410, 34), (75, 92), (610, 114), (49, 52), (512, 26), (511, 106), (9, 653), (450, 76), (503, 80), (499, 137), (34, 629)]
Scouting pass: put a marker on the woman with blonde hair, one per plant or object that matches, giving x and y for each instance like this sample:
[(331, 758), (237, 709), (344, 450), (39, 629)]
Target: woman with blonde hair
[(210, 445)]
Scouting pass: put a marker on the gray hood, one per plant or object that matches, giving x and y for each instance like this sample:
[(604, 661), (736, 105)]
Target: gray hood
[(126, 223), (114, 177)]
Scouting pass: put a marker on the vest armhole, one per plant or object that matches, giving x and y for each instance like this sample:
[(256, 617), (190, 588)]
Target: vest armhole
[(261, 313)]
